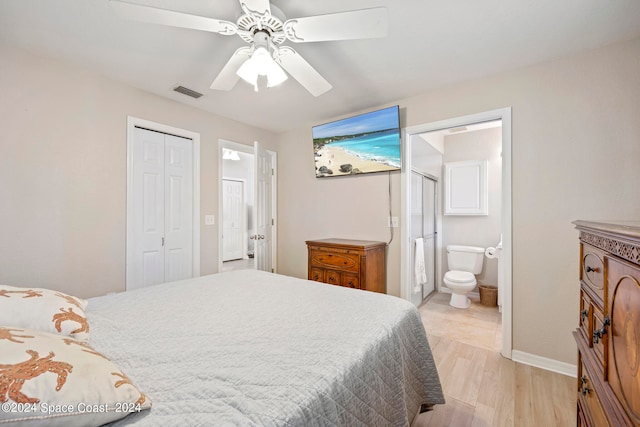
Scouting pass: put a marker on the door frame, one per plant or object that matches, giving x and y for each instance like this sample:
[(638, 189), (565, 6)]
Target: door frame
[(132, 123), (503, 114), (249, 149)]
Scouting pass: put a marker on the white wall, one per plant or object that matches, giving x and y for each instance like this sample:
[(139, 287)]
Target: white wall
[(576, 150), (483, 231), (63, 172)]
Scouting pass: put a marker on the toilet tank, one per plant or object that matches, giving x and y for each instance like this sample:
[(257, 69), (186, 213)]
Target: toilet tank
[(465, 258)]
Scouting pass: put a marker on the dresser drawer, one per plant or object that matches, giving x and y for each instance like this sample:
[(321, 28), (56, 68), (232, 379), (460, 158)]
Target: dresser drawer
[(316, 274), (332, 277), (344, 262), (586, 317), (350, 281), (592, 271), (599, 340), (594, 414)]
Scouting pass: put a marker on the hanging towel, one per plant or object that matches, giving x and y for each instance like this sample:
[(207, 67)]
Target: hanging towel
[(419, 265)]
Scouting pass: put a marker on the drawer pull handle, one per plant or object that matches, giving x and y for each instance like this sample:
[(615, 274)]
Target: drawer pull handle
[(585, 391), (583, 379), (583, 314), (597, 334), (591, 269)]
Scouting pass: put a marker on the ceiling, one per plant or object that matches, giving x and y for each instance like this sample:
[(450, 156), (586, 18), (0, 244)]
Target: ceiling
[(430, 44)]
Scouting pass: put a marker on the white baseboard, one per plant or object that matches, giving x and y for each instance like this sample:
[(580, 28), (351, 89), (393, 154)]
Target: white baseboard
[(545, 363)]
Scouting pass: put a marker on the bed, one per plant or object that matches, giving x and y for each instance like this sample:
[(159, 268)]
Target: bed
[(251, 348)]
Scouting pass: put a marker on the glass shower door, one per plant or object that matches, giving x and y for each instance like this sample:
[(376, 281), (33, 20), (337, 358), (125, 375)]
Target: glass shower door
[(423, 226)]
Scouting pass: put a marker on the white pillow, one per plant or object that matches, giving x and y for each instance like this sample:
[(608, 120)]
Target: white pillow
[(51, 380), (44, 310)]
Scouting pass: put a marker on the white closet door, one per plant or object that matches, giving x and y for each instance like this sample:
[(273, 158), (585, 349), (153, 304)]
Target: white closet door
[(162, 205), (178, 208), (148, 183)]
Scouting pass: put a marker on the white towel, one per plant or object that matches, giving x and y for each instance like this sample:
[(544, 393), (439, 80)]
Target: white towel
[(419, 265)]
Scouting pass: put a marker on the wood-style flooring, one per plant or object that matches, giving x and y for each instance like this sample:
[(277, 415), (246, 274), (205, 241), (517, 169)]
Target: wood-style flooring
[(482, 388)]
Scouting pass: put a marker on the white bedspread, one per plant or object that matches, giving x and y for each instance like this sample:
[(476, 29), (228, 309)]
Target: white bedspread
[(249, 348)]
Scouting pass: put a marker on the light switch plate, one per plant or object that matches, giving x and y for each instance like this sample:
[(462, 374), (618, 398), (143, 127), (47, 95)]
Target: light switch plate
[(209, 220)]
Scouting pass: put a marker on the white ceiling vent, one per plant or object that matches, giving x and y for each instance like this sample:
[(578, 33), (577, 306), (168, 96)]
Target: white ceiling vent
[(186, 91)]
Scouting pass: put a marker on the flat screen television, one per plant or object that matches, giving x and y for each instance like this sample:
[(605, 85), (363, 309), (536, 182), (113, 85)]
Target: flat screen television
[(365, 143)]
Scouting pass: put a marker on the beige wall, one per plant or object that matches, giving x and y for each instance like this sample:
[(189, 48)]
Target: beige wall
[(471, 230), (576, 151), (63, 172)]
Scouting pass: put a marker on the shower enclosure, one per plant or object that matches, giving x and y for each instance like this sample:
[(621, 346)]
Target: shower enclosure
[(423, 225)]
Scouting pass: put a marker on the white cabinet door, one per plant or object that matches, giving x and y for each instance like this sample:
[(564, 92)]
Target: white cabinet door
[(162, 204)]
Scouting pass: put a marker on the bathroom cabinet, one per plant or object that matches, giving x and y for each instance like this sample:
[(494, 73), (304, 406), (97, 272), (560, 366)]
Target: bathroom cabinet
[(608, 333), (358, 264), (466, 188)]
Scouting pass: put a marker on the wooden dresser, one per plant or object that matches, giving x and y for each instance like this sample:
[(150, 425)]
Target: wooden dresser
[(608, 335), (358, 264)]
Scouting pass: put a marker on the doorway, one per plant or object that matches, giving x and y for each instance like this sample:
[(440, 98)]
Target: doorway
[(410, 154), (247, 176), (163, 204)]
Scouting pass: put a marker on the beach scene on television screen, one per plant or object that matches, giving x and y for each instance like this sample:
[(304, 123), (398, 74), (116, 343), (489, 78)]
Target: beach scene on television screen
[(355, 145)]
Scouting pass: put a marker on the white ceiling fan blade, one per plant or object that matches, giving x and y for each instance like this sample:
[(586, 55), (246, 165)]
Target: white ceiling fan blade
[(300, 70), (357, 24), (154, 15), (256, 7), (228, 78)]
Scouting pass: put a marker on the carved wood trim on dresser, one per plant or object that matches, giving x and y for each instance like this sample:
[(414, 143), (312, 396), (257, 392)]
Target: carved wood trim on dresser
[(358, 264), (608, 335)]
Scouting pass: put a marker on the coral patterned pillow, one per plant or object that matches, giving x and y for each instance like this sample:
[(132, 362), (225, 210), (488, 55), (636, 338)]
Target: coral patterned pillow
[(51, 380), (44, 310)]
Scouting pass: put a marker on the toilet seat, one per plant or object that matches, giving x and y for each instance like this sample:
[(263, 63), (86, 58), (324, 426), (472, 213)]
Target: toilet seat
[(462, 277)]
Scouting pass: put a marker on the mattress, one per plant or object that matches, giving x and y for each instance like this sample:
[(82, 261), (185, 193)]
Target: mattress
[(250, 348)]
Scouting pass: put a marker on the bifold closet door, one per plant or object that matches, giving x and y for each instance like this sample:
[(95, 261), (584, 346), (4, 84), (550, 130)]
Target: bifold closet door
[(162, 203)]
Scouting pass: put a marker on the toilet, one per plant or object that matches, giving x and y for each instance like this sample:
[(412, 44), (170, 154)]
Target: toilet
[(464, 263)]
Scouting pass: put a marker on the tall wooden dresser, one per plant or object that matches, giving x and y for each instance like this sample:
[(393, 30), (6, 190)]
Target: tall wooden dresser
[(358, 264), (608, 335)]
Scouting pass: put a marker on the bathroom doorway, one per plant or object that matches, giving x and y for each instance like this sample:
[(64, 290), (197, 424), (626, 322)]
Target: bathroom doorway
[(425, 150)]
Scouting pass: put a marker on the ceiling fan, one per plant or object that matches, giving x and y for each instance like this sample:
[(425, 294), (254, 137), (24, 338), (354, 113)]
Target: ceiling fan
[(264, 27)]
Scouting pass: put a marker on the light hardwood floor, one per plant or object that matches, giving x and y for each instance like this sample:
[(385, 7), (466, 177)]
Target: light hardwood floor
[(239, 264), (482, 388)]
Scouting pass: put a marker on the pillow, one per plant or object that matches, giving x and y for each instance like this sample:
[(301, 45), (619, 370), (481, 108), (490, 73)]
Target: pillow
[(51, 380), (44, 310)]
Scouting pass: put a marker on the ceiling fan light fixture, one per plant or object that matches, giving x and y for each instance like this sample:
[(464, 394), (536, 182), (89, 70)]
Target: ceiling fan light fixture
[(261, 63)]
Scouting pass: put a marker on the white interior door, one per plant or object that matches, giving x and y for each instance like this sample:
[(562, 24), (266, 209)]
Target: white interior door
[(148, 208), (263, 218), (178, 200), (233, 219), (162, 209)]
